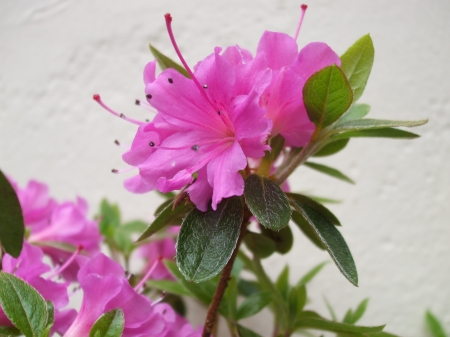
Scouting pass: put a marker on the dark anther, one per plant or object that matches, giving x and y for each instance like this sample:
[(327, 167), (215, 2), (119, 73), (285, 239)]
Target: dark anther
[(137, 102), (148, 96), (122, 116), (218, 112), (151, 144), (114, 171), (170, 80), (205, 86), (147, 120), (116, 142), (195, 147)]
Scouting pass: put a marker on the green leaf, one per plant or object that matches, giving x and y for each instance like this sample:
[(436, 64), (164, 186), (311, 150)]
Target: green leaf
[(110, 324), (123, 235), (330, 309), (434, 325), (176, 302), (332, 172), (244, 332), (109, 218), (326, 325), (283, 238), (165, 62), (7, 331), (282, 283), (229, 299), (359, 311), (50, 318), (297, 301), (368, 123), (303, 199), (259, 244), (356, 111), (207, 239), (332, 148), (307, 229), (379, 133), (164, 219), (311, 274), (253, 304), (327, 95), (169, 286), (332, 240), (267, 201), (23, 305), (247, 288), (12, 227), (357, 63)]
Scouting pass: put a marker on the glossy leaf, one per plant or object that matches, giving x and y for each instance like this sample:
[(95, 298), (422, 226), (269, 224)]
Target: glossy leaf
[(164, 219), (332, 172), (23, 305), (332, 240), (283, 238), (307, 229), (357, 63), (327, 95), (434, 326), (110, 324), (207, 239), (368, 123), (259, 244), (303, 199), (245, 332), (12, 227), (326, 325), (332, 148), (267, 201), (253, 304), (377, 133), (165, 62), (356, 111), (311, 274)]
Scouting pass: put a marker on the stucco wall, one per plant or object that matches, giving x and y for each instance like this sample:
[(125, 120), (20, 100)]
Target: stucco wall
[(55, 54)]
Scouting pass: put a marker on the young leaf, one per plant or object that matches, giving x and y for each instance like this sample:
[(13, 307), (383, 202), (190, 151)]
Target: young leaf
[(434, 325), (311, 274), (12, 227), (357, 63), (164, 218), (244, 332), (267, 201), (307, 229), (165, 62), (109, 218), (247, 288), (303, 199), (368, 123), (356, 111), (23, 305), (332, 172), (297, 301), (253, 304), (326, 325), (259, 244), (169, 286), (359, 311), (110, 324), (283, 238), (379, 133), (327, 95), (207, 240), (282, 283), (332, 148), (230, 298), (332, 240)]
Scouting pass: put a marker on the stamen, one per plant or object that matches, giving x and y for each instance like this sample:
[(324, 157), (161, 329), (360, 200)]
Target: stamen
[(194, 147), (137, 102), (98, 99), (149, 273), (145, 105), (66, 264), (160, 299), (121, 145), (302, 15), (149, 96), (128, 169)]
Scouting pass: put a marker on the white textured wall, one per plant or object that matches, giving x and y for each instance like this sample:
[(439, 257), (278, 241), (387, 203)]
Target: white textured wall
[(55, 54)]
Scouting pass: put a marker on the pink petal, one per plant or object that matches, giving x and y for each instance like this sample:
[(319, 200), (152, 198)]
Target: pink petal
[(236, 55), (149, 72), (135, 184), (254, 75), (280, 49), (200, 192)]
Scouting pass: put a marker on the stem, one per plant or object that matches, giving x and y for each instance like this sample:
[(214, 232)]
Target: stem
[(232, 326), (211, 316)]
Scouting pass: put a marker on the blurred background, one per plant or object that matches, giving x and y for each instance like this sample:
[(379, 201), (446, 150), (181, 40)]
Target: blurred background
[(54, 55)]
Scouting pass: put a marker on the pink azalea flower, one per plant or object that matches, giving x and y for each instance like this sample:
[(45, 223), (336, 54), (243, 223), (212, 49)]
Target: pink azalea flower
[(30, 268)]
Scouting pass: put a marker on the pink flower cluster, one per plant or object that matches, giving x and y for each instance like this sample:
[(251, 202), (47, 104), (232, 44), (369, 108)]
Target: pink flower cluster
[(207, 127)]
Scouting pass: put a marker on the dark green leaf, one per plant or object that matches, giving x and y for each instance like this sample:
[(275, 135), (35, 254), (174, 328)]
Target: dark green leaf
[(311, 274), (357, 63), (169, 286), (332, 148), (267, 201), (356, 111), (282, 283), (109, 324), (12, 227), (307, 229), (434, 326), (303, 199), (50, 319), (207, 239), (259, 244), (329, 171), (378, 133), (283, 238), (327, 95), (165, 62), (326, 325), (247, 288), (244, 332), (368, 123), (7, 331), (332, 239), (23, 305), (253, 304), (163, 206), (168, 195), (164, 219)]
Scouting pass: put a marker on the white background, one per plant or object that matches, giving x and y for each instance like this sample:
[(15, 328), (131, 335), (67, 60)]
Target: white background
[(55, 54)]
